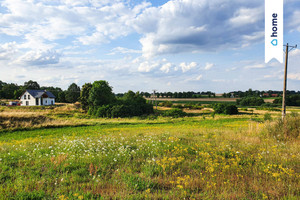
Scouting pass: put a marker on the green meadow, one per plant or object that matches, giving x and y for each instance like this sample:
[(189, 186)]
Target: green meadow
[(68, 155)]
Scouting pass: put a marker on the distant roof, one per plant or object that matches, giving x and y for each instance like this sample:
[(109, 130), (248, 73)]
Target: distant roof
[(39, 93)]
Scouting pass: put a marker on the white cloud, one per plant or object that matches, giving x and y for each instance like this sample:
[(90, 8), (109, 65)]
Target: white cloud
[(166, 67), (88, 22), (199, 77), (147, 66), (294, 76), (187, 26), (8, 50), (294, 22), (246, 16), (186, 67), (255, 66), (123, 50), (208, 66), (39, 58), (295, 52)]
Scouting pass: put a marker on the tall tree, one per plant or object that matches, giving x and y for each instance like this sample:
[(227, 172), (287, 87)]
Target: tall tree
[(101, 94), (31, 85), (9, 90), (73, 93), (84, 95), (61, 97)]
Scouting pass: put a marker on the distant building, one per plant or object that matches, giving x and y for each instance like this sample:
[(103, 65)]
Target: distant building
[(37, 98)]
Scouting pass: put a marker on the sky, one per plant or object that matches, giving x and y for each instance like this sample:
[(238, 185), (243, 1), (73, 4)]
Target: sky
[(176, 45)]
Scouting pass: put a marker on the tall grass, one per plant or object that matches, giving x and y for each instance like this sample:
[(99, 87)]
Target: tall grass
[(220, 157), (285, 129)]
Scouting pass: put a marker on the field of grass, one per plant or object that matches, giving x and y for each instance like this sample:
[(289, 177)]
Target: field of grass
[(71, 156)]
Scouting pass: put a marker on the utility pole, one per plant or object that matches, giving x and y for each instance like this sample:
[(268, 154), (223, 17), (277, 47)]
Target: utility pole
[(288, 48), (155, 98)]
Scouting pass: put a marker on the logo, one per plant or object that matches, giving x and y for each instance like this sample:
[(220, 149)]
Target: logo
[(273, 30), (274, 42)]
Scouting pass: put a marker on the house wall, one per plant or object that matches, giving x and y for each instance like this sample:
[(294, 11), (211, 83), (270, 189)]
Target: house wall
[(31, 101), (48, 101)]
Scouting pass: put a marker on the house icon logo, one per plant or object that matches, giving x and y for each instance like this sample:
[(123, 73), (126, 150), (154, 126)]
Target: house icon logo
[(274, 42)]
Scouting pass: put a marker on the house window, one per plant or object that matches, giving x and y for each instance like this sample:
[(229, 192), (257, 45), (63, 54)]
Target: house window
[(46, 101), (28, 96), (27, 103), (24, 96)]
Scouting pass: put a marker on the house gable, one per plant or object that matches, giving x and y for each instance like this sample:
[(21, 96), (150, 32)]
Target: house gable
[(37, 97)]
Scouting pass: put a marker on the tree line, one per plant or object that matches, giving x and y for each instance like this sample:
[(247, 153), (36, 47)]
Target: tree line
[(14, 91), (189, 94), (257, 93)]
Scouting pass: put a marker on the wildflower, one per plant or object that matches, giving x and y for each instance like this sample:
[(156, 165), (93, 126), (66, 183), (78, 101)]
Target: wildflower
[(180, 186)]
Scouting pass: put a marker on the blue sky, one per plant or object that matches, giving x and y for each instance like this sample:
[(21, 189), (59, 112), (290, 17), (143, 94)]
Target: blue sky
[(179, 45)]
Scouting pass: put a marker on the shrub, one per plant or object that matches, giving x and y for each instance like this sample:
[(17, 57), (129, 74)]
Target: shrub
[(131, 104), (223, 108), (177, 106), (267, 117), (193, 106), (175, 112), (166, 104), (103, 111), (291, 100), (250, 101), (268, 108), (284, 129)]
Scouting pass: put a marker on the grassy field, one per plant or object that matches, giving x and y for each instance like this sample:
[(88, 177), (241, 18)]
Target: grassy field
[(61, 153), (203, 100)]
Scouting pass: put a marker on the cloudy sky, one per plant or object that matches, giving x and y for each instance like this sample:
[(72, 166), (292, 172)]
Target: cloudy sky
[(178, 45)]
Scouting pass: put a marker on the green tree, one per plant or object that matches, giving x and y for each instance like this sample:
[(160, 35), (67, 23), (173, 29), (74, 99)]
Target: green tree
[(2, 84), (61, 97), (31, 85), (19, 92), (250, 101), (73, 93), (224, 108), (101, 94), (84, 95), (9, 90)]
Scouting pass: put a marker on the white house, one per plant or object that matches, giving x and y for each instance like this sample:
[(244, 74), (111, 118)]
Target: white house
[(37, 98)]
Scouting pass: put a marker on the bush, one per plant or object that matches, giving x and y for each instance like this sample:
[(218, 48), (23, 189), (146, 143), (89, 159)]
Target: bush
[(291, 100), (177, 106), (193, 106), (286, 129), (250, 101), (130, 105), (175, 112), (223, 108), (267, 117), (103, 111), (268, 108), (166, 104)]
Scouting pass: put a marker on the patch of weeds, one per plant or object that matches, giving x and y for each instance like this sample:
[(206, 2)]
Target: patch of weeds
[(285, 129), (151, 170), (138, 183), (25, 195), (267, 117)]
